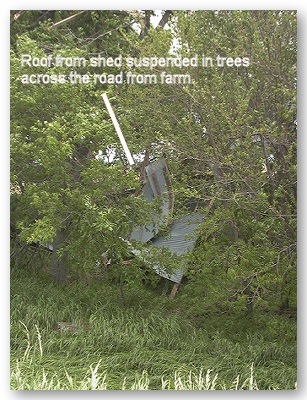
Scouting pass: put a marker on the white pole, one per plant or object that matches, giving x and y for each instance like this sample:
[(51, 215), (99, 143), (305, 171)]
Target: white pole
[(118, 130)]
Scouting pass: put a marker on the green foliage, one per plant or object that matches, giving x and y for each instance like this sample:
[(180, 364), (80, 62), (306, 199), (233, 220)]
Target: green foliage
[(229, 139), (246, 255), (230, 143), (59, 136)]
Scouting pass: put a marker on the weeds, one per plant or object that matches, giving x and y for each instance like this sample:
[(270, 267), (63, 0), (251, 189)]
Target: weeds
[(143, 346)]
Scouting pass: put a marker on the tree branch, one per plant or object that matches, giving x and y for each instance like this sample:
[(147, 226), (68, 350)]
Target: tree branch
[(165, 18), (65, 20)]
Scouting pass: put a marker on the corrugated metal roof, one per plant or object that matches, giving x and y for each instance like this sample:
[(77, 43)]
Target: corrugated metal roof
[(145, 233), (179, 239), (158, 184)]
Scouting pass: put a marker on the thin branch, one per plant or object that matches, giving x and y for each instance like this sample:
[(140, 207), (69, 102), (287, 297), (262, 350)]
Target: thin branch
[(68, 19)]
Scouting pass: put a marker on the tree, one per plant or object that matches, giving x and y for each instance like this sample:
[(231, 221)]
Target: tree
[(64, 191), (247, 140), (229, 138)]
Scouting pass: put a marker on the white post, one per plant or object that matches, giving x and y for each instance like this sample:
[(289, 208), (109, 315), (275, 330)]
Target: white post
[(117, 127)]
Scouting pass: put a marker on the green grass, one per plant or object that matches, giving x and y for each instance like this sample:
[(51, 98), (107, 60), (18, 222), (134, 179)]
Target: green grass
[(148, 343)]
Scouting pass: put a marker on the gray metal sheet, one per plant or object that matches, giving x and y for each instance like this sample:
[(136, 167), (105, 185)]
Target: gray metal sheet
[(175, 277), (158, 184), (145, 233), (179, 242)]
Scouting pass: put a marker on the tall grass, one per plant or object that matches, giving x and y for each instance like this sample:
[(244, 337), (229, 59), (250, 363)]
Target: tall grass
[(95, 380), (146, 344)]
